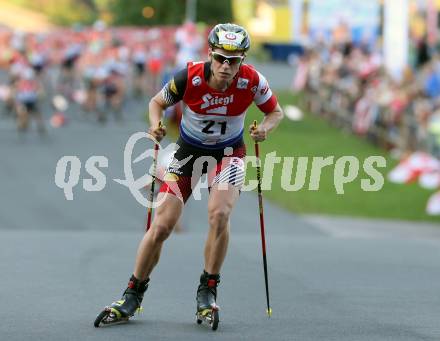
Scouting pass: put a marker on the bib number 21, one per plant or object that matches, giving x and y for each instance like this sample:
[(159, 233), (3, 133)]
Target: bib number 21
[(210, 126)]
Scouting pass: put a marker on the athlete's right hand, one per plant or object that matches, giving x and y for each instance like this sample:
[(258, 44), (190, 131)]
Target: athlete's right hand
[(158, 132)]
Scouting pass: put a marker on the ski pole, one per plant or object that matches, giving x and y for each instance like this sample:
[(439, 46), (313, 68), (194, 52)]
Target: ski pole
[(263, 238), (150, 209)]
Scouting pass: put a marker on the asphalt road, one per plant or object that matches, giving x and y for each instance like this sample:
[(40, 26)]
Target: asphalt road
[(63, 261)]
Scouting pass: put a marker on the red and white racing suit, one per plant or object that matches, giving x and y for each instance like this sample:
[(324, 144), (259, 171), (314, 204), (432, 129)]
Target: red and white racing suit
[(212, 125)]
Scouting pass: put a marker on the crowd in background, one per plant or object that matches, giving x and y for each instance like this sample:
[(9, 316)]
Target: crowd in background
[(101, 68), (97, 68), (347, 83)]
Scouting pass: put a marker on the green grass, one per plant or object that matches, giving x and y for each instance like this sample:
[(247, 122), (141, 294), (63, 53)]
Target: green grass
[(313, 137)]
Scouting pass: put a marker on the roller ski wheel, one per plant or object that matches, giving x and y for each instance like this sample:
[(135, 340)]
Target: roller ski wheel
[(209, 316), (111, 315), (123, 309), (207, 308)]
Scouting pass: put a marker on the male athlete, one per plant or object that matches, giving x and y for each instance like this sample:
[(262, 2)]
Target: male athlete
[(215, 96)]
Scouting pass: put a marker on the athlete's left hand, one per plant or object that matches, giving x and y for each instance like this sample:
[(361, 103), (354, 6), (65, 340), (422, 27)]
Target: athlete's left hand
[(258, 133)]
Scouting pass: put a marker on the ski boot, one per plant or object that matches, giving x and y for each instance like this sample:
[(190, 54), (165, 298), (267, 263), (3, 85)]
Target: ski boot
[(126, 307), (207, 308)]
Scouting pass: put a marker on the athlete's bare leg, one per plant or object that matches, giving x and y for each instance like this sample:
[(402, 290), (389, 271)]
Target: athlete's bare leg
[(167, 214), (221, 202)]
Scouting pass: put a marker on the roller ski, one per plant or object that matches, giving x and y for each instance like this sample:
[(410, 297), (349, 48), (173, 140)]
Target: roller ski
[(121, 310), (207, 308)]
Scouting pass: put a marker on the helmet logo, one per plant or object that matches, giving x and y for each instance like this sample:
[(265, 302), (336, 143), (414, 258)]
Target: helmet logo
[(230, 40), (230, 36)]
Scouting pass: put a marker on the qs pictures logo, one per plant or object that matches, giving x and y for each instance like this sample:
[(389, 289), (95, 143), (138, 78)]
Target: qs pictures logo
[(295, 171)]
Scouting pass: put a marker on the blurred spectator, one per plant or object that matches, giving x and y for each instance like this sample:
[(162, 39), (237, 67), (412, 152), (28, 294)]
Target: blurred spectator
[(432, 81), (189, 44), (26, 92), (423, 55)]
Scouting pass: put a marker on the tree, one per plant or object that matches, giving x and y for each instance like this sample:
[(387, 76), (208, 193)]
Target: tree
[(214, 12), (168, 12), (130, 12)]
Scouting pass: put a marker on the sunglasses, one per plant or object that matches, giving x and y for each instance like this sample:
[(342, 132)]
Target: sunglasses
[(232, 60)]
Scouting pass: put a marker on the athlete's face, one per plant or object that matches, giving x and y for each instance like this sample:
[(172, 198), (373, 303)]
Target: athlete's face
[(225, 64)]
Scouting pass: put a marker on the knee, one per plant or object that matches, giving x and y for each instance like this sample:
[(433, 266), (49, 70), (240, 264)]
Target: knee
[(161, 231), (218, 218)]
